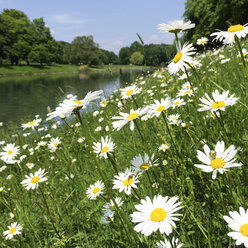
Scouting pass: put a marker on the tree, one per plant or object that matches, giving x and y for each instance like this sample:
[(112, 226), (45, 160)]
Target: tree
[(84, 50), (124, 55), (209, 15), (15, 35), (137, 58)]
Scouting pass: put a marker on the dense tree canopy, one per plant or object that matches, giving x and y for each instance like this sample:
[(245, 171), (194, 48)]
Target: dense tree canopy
[(209, 15)]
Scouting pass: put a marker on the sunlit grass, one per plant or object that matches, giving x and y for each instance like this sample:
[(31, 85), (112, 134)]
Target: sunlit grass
[(59, 213)]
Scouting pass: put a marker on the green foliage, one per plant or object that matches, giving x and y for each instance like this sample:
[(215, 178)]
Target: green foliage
[(137, 58), (124, 55), (209, 15)]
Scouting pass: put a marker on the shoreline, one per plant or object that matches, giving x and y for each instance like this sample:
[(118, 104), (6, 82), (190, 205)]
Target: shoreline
[(105, 69)]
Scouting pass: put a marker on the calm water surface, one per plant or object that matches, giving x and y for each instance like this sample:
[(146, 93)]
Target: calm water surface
[(21, 98)]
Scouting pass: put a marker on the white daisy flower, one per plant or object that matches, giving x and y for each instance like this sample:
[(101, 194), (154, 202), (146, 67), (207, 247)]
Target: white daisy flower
[(126, 118), (174, 119), (63, 111), (141, 163), (175, 26), (31, 124), (3, 168), (218, 160), (219, 102), (81, 140), (110, 208), (32, 181), (238, 222), (14, 229), (95, 190), (158, 214), (125, 181), (167, 244), (178, 102), (96, 113), (129, 91), (228, 37), (182, 59), (202, 41), (90, 96), (103, 148), (159, 106), (30, 165), (53, 144), (98, 129), (184, 92), (10, 151), (163, 147), (103, 103)]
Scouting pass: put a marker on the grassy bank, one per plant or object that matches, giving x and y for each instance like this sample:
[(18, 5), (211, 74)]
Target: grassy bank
[(8, 70), (60, 214)]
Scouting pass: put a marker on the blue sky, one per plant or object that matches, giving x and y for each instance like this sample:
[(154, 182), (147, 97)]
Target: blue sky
[(113, 23)]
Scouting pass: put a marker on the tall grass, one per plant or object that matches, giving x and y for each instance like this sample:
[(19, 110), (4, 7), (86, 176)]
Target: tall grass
[(73, 167)]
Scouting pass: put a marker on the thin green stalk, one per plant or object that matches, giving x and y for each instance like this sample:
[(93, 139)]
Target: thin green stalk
[(49, 213), (240, 50)]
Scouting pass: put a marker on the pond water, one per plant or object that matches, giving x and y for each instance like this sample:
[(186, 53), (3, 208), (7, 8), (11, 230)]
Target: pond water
[(21, 98)]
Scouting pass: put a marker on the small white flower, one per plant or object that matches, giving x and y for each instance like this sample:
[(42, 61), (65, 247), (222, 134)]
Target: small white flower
[(14, 229)]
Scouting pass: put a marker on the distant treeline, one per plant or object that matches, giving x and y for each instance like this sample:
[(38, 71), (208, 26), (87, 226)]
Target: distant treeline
[(31, 41)]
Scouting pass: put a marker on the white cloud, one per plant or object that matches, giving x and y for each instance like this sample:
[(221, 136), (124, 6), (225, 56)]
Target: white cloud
[(68, 19), (165, 38), (117, 43)]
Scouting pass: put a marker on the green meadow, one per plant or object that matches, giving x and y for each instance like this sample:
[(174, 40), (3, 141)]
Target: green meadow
[(59, 213)]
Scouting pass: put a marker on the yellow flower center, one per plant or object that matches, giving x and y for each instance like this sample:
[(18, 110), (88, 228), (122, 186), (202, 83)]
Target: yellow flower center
[(161, 108), (165, 147), (202, 41), (244, 230), (144, 166), (104, 103), (29, 165), (35, 179), (129, 92), (31, 123), (56, 144), (10, 152), (105, 149), (176, 103), (244, 53), (187, 92), (217, 163), (218, 104), (235, 28), (132, 116), (158, 214), (96, 190), (78, 102), (178, 57), (128, 181), (12, 230)]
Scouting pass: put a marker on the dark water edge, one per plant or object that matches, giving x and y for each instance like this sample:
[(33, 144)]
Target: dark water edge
[(21, 98)]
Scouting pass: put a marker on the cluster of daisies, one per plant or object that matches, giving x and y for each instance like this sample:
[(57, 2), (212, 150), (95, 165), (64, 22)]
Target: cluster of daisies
[(159, 213)]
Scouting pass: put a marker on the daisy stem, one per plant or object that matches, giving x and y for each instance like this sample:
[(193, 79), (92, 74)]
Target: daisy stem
[(136, 193), (135, 102), (223, 127), (172, 140), (66, 123), (114, 163), (79, 116), (136, 124), (240, 50), (49, 213), (178, 43), (187, 74)]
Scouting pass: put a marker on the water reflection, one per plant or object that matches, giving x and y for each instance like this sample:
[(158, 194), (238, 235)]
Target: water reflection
[(24, 97)]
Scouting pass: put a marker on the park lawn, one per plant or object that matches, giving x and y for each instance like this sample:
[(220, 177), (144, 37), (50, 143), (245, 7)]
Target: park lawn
[(6, 70)]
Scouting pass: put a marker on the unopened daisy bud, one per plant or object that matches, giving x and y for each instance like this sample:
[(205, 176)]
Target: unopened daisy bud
[(165, 162)]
